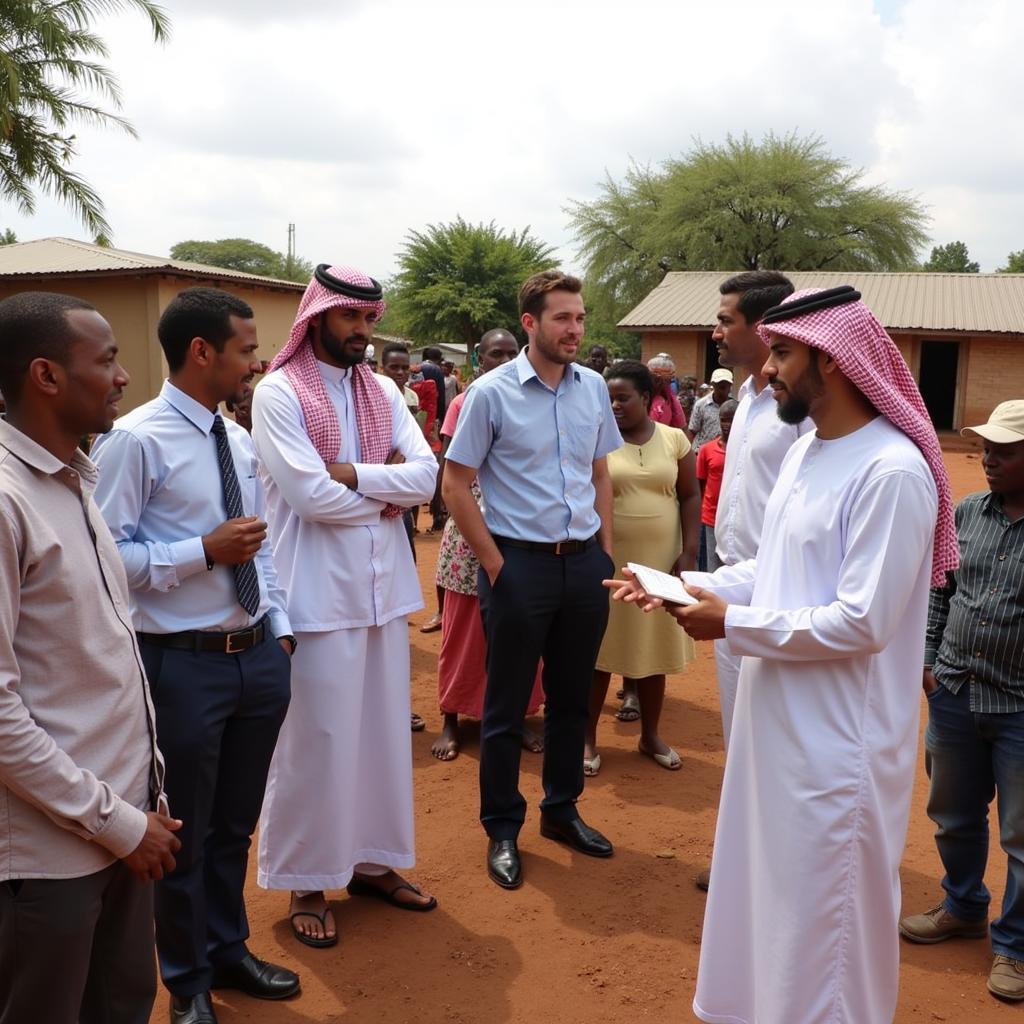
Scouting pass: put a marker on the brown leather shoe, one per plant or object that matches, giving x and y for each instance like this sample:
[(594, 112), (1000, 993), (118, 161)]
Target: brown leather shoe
[(939, 924), (1006, 979)]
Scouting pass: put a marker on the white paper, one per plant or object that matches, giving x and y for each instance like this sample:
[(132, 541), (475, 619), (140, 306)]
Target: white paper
[(661, 584)]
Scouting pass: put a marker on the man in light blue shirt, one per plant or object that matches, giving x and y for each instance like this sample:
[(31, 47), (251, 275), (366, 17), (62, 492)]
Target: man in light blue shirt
[(178, 489), (536, 433)]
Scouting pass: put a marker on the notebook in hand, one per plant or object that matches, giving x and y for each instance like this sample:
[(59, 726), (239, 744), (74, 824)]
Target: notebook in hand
[(661, 584)]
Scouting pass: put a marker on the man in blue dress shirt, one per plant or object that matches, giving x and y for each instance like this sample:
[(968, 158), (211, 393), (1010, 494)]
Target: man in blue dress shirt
[(178, 489), (536, 433)]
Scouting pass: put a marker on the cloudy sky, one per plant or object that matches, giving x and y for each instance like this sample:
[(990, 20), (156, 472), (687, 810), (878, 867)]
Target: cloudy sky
[(360, 119)]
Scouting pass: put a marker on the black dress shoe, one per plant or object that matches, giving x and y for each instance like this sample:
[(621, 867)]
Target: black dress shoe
[(503, 864), (257, 978), (192, 1009), (577, 834)]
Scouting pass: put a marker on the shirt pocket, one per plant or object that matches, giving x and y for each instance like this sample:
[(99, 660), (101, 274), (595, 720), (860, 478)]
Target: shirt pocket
[(583, 436)]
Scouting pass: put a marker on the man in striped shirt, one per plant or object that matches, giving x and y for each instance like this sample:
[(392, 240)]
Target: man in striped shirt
[(974, 682)]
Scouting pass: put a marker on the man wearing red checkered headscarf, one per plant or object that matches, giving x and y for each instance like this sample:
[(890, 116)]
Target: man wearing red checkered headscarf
[(341, 457), (829, 620)]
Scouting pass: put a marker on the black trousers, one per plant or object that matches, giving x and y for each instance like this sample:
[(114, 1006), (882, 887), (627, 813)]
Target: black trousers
[(217, 719), (550, 606), (77, 950)]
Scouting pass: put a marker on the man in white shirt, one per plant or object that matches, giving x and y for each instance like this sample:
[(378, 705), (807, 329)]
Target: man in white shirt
[(341, 457), (800, 926), (178, 489)]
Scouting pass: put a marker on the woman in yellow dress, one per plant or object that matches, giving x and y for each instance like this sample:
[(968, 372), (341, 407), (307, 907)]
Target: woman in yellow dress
[(656, 523)]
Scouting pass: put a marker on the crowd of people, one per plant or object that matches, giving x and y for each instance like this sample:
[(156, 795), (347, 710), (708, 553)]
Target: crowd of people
[(232, 598)]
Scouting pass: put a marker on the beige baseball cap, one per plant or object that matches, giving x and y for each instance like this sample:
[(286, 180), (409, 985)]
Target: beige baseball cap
[(1005, 425), (721, 375)]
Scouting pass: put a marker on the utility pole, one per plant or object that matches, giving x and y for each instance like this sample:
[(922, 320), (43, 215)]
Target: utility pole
[(289, 266)]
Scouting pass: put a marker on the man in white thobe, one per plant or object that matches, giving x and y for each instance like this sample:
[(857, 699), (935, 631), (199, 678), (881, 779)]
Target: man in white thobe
[(341, 457), (829, 618)]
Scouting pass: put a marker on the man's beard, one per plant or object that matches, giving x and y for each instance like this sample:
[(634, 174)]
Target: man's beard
[(796, 406), (335, 347)]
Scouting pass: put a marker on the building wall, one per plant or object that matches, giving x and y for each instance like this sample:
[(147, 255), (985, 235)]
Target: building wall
[(994, 374), (132, 304), (685, 347)]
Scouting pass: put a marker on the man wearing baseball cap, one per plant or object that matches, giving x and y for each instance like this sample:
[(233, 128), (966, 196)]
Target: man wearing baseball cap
[(974, 682)]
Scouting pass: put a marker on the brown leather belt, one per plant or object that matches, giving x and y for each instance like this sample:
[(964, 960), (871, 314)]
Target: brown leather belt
[(562, 547), (222, 643)]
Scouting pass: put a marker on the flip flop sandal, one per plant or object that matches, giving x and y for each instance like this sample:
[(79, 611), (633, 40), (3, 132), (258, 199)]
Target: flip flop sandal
[(416, 723), (592, 767), (630, 710), (432, 625), (359, 888), (316, 941)]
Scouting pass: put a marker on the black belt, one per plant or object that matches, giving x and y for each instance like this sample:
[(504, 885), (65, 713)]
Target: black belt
[(562, 547), (223, 643)]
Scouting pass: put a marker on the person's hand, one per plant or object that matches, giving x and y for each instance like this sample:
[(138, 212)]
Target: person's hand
[(629, 590), (704, 620), (343, 473), (286, 645), (686, 562), (493, 571), (154, 856), (235, 541), (396, 458), (928, 681)]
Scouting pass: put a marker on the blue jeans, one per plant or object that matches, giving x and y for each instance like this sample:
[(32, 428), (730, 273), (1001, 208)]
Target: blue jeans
[(975, 757)]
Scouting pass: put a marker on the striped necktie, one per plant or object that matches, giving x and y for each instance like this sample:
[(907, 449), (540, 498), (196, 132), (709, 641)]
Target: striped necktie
[(247, 583)]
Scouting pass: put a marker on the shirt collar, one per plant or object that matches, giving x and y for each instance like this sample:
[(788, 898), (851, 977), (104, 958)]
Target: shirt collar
[(333, 374), (525, 370), (198, 415), (39, 458)]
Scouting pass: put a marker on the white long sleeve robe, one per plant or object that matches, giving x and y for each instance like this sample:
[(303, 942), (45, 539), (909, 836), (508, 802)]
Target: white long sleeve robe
[(339, 793), (801, 918)]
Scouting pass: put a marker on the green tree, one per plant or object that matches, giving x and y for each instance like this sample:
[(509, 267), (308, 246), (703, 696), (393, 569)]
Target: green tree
[(950, 259), (457, 280), (50, 70), (244, 255), (8, 237), (782, 203), (1014, 263)]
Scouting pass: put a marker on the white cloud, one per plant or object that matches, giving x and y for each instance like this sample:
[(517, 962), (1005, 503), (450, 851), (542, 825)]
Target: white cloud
[(359, 121)]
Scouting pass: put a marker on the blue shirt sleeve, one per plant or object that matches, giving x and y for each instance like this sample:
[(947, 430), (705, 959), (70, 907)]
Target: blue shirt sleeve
[(475, 431), (608, 437)]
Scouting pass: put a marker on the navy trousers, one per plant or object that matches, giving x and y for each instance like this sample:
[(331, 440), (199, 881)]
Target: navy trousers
[(541, 606), (217, 720)]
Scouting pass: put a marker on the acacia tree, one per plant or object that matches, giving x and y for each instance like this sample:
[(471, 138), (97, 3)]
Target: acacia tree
[(244, 255), (1014, 263), (783, 203), (50, 68), (951, 259), (456, 281)]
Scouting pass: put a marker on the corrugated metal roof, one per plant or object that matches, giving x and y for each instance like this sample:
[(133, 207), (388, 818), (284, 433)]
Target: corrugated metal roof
[(978, 303), (70, 256)]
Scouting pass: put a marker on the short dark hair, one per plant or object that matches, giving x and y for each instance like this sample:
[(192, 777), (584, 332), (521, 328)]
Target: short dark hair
[(392, 346), (432, 352), (533, 293), (198, 313), (636, 373), (488, 338), (730, 405), (758, 291), (33, 325)]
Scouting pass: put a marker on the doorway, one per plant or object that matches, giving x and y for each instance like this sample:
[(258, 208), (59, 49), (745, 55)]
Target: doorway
[(940, 363), (710, 359)]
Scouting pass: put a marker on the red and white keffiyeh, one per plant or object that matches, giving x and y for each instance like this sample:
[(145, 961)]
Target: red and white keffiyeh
[(852, 335), (373, 409)]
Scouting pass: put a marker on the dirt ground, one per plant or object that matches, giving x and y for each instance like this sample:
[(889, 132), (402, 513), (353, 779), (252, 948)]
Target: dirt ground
[(583, 940)]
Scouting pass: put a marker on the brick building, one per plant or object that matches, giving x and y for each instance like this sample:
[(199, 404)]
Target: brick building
[(131, 290), (961, 334)]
